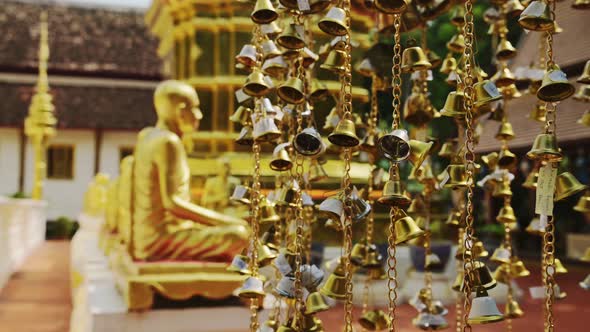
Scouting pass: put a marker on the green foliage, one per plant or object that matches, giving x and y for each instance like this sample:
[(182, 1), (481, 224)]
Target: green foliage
[(19, 195), (61, 228)]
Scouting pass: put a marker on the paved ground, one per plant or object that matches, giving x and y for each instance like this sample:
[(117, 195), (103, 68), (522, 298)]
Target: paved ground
[(37, 299)]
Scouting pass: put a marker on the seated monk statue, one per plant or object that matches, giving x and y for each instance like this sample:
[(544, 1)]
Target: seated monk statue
[(218, 189), (166, 225)]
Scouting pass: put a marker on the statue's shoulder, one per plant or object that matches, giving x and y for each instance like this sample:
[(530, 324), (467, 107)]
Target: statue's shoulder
[(158, 137)]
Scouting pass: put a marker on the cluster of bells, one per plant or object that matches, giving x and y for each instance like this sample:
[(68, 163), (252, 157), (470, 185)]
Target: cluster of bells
[(583, 93), (431, 314)]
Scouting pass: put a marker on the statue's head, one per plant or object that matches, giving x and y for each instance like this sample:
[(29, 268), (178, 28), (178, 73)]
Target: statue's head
[(101, 178), (177, 105)]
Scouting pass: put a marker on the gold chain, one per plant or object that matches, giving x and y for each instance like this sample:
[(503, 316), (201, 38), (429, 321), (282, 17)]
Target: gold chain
[(427, 243), (459, 300), (396, 81), (392, 267), (549, 272)]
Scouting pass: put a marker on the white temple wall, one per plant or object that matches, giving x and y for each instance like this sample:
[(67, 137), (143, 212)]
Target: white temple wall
[(112, 143), (9, 160)]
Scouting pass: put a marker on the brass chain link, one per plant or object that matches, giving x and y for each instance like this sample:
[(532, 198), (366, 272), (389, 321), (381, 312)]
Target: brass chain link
[(468, 31), (427, 243), (396, 81), (549, 272), (392, 268)]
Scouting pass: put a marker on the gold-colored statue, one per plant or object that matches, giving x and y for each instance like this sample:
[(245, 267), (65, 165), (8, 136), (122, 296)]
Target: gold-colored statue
[(218, 189), (95, 199)]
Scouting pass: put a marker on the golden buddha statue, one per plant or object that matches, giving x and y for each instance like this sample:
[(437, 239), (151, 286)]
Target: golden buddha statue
[(218, 189), (95, 199), (166, 225)]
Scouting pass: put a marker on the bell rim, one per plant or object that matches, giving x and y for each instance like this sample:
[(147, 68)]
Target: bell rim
[(486, 319), (390, 10), (269, 16), (343, 140), (569, 90), (332, 27), (570, 192), (545, 155), (394, 200)]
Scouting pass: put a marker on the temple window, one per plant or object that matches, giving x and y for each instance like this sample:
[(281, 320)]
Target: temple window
[(60, 162)]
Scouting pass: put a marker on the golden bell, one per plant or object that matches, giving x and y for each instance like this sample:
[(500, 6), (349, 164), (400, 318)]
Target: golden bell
[(449, 64), (455, 177), (335, 287), (335, 62), (270, 49), (485, 93), (586, 256), (417, 207), (245, 137), (315, 303), (498, 113), (458, 16), (505, 50), (454, 218), (559, 268), (285, 196), (318, 91), (501, 255), (247, 55), (395, 145), (239, 264), (430, 322), (241, 115), (344, 134), (308, 142), (567, 185), (555, 86), (513, 310), (265, 130), (585, 119), (265, 255), (502, 274), (251, 288), (457, 43), (513, 7), (332, 208), (268, 214), (545, 148), (505, 132), (490, 160), (291, 91), (510, 91), (275, 67), (391, 6), (374, 320), (418, 152), (536, 17), (484, 309), (358, 253), (583, 94), (583, 204), (538, 113), (365, 68), (531, 180), (506, 215), (316, 172), (454, 105), (581, 4), (374, 260), (418, 110), (433, 58), (504, 77), (281, 160), (406, 228), (291, 38), (264, 12), (502, 189), (447, 150), (393, 193), (585, 77), (517, 268), (414, 59), (506, 158), (478, 249), (458, 281), (334, 23), (535, 227), (256, 85)]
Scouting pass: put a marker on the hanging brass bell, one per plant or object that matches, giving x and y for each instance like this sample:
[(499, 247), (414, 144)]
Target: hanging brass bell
[(391, 6), (332, 208), (555, 86), (559, 268), (374, 320), (485, 93), (393, 193), (449, 64), (478, 250), (502, 189), (454, 105), (275, 67), (505, 132), (247, 55), (417, 207), (484, 309), (583, 204), (316, 172), (256, 84), (506, 215), (506, 159), (517, 268), (286, 287), (505, 50), (335, 285), (458, 16), (315, 303), (344, 135), (334, 23), (281, 160), (241, 115), (291, 91), (264, 12), (502, 274), (457, 43), (270, 49), (414, 59), (455, 177), (585, 119), (251, 288), (406, 228), (454, 218), (490, 160), (358, 253), (265, 130), (360, 207), (536, 17), (513, 310), (308, 142), (535, 227), (504, 77), (458, 283), (395, 145), (585, 77), (418, 152), (417, 109), (245, 137), (265, 255), (430, 322), (510, 91), (335, 62), (285, 196), (513, 7), (447, 150), (545, 149), (567, 185), (291, 38), (239, 264), (538, 113), (531, 180), (501, 255), (498, 112), (583, 94), (373, 261), (268, 214), (581, 4), (433, 58), (318, 91)]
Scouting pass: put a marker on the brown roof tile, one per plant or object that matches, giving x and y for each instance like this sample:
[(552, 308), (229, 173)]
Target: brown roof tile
[(99, 42)]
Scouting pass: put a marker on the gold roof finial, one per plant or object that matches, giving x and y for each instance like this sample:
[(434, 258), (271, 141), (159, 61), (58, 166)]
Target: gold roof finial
[(43, 82)]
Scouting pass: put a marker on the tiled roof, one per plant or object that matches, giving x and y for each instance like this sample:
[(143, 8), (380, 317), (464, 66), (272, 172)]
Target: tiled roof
[(83, 106), (88, 41)]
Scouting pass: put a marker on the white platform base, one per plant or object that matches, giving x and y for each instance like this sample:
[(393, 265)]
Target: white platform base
[(22, 229)]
